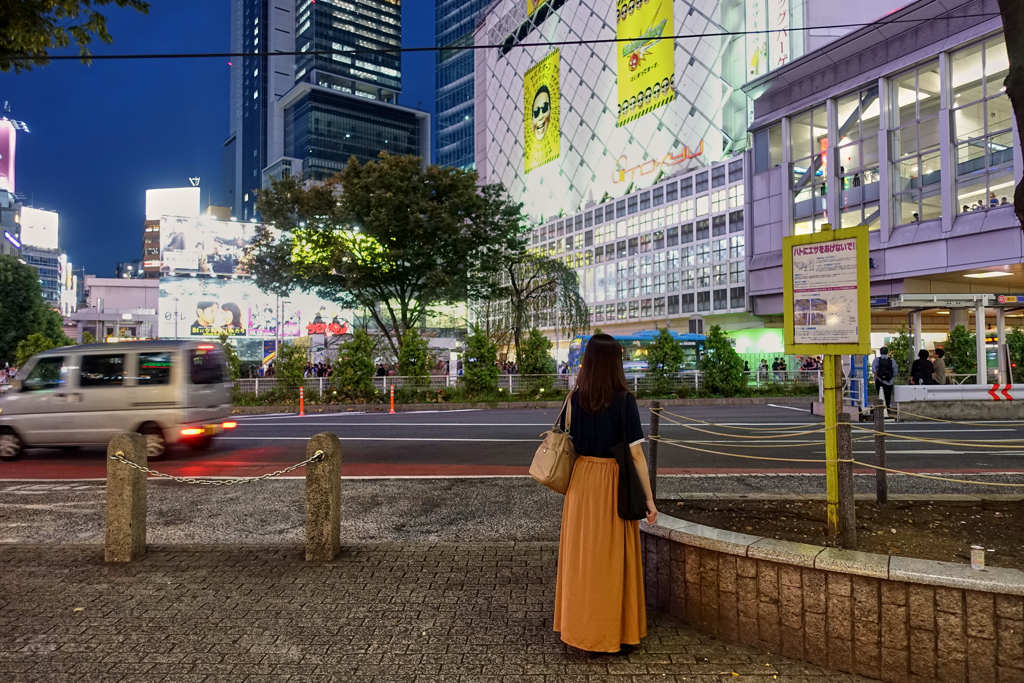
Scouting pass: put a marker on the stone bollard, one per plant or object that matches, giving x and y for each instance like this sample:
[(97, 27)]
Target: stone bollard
[(323, 498), (125, 536)]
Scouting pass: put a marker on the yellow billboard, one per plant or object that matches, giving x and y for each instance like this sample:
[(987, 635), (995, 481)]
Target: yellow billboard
[(541, 126), (646, 57), (532, 5)]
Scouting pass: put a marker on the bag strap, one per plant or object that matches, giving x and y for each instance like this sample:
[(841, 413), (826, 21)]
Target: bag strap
[(567, 409)]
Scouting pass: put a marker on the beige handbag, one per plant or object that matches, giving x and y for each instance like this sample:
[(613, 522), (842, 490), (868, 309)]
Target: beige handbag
[(553, 461)]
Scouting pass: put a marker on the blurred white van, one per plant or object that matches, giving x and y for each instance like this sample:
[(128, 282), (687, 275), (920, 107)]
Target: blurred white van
[(173, 392)]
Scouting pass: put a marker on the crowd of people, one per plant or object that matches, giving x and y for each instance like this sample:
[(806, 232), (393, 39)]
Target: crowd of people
[(778, 371), (980, 205)]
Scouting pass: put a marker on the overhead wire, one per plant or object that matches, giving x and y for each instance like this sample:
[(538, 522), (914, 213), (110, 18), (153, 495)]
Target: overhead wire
[(436, 48)]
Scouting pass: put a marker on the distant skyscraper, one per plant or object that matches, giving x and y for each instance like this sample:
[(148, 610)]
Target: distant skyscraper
[(454, 22), (257, 81), (315, 111)]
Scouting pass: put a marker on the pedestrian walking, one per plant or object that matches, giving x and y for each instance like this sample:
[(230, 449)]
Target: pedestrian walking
[(940, 366), (884, 369), (599, 593)]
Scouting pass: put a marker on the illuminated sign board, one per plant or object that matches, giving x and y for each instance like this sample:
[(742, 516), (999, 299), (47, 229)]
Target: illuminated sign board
[(175, 201), (39, 228), (7, 140)]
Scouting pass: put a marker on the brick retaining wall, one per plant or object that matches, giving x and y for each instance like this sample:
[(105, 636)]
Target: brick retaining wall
[(890, 618)]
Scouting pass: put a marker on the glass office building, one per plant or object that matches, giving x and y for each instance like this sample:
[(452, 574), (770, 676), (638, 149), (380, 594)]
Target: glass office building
[(454, 22)]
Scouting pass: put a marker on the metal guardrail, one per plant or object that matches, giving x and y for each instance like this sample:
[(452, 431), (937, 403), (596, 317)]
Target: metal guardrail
[(517, 384)]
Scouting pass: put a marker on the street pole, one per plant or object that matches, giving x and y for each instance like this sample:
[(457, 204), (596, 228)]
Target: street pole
[(833, 376)]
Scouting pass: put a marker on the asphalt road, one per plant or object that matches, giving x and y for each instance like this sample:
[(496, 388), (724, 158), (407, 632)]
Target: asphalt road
[(502, 442)]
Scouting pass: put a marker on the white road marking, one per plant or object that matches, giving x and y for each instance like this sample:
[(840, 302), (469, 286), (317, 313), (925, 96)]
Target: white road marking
[(370, 438), (802, 410), (926, 451)]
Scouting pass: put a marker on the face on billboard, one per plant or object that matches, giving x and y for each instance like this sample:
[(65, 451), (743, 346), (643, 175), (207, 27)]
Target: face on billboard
[(209, 307), (203, 245), (541, 127)]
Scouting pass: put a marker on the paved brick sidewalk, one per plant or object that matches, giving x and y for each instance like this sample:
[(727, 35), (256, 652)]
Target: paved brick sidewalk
[(385, 612)]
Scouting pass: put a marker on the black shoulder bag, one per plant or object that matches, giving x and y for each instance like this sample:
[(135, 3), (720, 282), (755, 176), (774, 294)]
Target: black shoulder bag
[(632, 499)]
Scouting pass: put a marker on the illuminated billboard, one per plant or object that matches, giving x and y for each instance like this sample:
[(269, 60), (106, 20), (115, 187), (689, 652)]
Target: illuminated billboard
[(197, 307), (7, 140), (204, 245), (174, 201), (39, 228), (629, 112)]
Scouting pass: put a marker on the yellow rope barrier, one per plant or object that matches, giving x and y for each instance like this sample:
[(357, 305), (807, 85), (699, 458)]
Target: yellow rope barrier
[(743, 436), (662, 411), (957, 422), (938, 478), (678, 444), (962, 444)]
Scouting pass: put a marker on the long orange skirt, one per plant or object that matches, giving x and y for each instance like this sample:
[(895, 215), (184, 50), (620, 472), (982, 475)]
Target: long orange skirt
[(599, 595)]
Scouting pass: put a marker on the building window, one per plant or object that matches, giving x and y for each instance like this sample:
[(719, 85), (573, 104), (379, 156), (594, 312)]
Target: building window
[(914, 144), (767, 148), (982, 126), (808, 145), (736, 247), (857, 150)]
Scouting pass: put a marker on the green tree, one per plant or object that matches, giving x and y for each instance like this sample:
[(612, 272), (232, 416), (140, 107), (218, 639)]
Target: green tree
[(390, 236), (290, 367), (231, 356), (664, 357), (480, 363), (30, 346), (22, 309), (414, 357), (961, 353), (29, 29), (1015, 342), (88, 337), (721, 366), (529, 284), (1012, 12), (354, 369), (535, 356), (900, 350)]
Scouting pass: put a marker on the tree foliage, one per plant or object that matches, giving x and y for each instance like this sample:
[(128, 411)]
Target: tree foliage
[(231, 356), (29, 29), (88, 337), (290, 367), (480, 363), (390, 236), (528, 284), (664, 358), (535, 356), (900, 348), (961, 352), (30, 346), (23, 310), (1015, 343), (721, 366), (414, 357), (1012, 12), (354, 369)]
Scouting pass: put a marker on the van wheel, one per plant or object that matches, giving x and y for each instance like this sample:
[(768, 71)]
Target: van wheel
[(11, 445), (156, 444)]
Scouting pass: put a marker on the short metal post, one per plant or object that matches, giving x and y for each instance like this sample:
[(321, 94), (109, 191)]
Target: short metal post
[(881, 476), (257, 386), (125, 534), (655, 431), (510, 384), (323, 498), (847, 510)]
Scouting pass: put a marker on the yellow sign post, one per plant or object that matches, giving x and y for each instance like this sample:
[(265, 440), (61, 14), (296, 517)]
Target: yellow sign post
[(827, 285)]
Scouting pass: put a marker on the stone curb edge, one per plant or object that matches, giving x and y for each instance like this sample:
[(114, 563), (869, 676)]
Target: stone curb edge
[(891, 567)]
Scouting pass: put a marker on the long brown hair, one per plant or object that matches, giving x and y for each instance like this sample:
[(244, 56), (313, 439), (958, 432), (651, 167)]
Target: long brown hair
[(601, 374)]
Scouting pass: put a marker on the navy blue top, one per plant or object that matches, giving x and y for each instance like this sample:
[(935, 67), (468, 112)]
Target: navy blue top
[(594, 434)]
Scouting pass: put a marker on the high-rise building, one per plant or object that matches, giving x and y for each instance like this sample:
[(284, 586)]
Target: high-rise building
[(257, 81), (40, 248), (454, 21), (310, 115)]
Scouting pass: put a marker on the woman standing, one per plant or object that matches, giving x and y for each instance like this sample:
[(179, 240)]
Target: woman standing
[(599, 594)]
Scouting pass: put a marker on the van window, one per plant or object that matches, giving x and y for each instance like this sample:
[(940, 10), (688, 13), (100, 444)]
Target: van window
[(154, 368), (102, 371), (48, 373), (206, 366)]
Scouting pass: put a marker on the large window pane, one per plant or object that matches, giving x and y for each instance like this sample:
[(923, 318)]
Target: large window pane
[(967, 71), (969, 121), (971, 194), (800, 135), (997, 65)]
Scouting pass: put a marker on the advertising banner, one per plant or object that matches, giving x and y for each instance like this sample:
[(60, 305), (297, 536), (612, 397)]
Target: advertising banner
[(646, 60), (532, 5), (209, 307), (7, 146), (39, 228), (204, 245), (542, 127)]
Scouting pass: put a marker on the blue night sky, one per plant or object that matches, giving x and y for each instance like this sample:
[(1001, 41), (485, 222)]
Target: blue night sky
[(103, 134)]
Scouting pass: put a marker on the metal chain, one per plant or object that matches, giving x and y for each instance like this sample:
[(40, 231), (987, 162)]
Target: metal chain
[(119, 457)]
